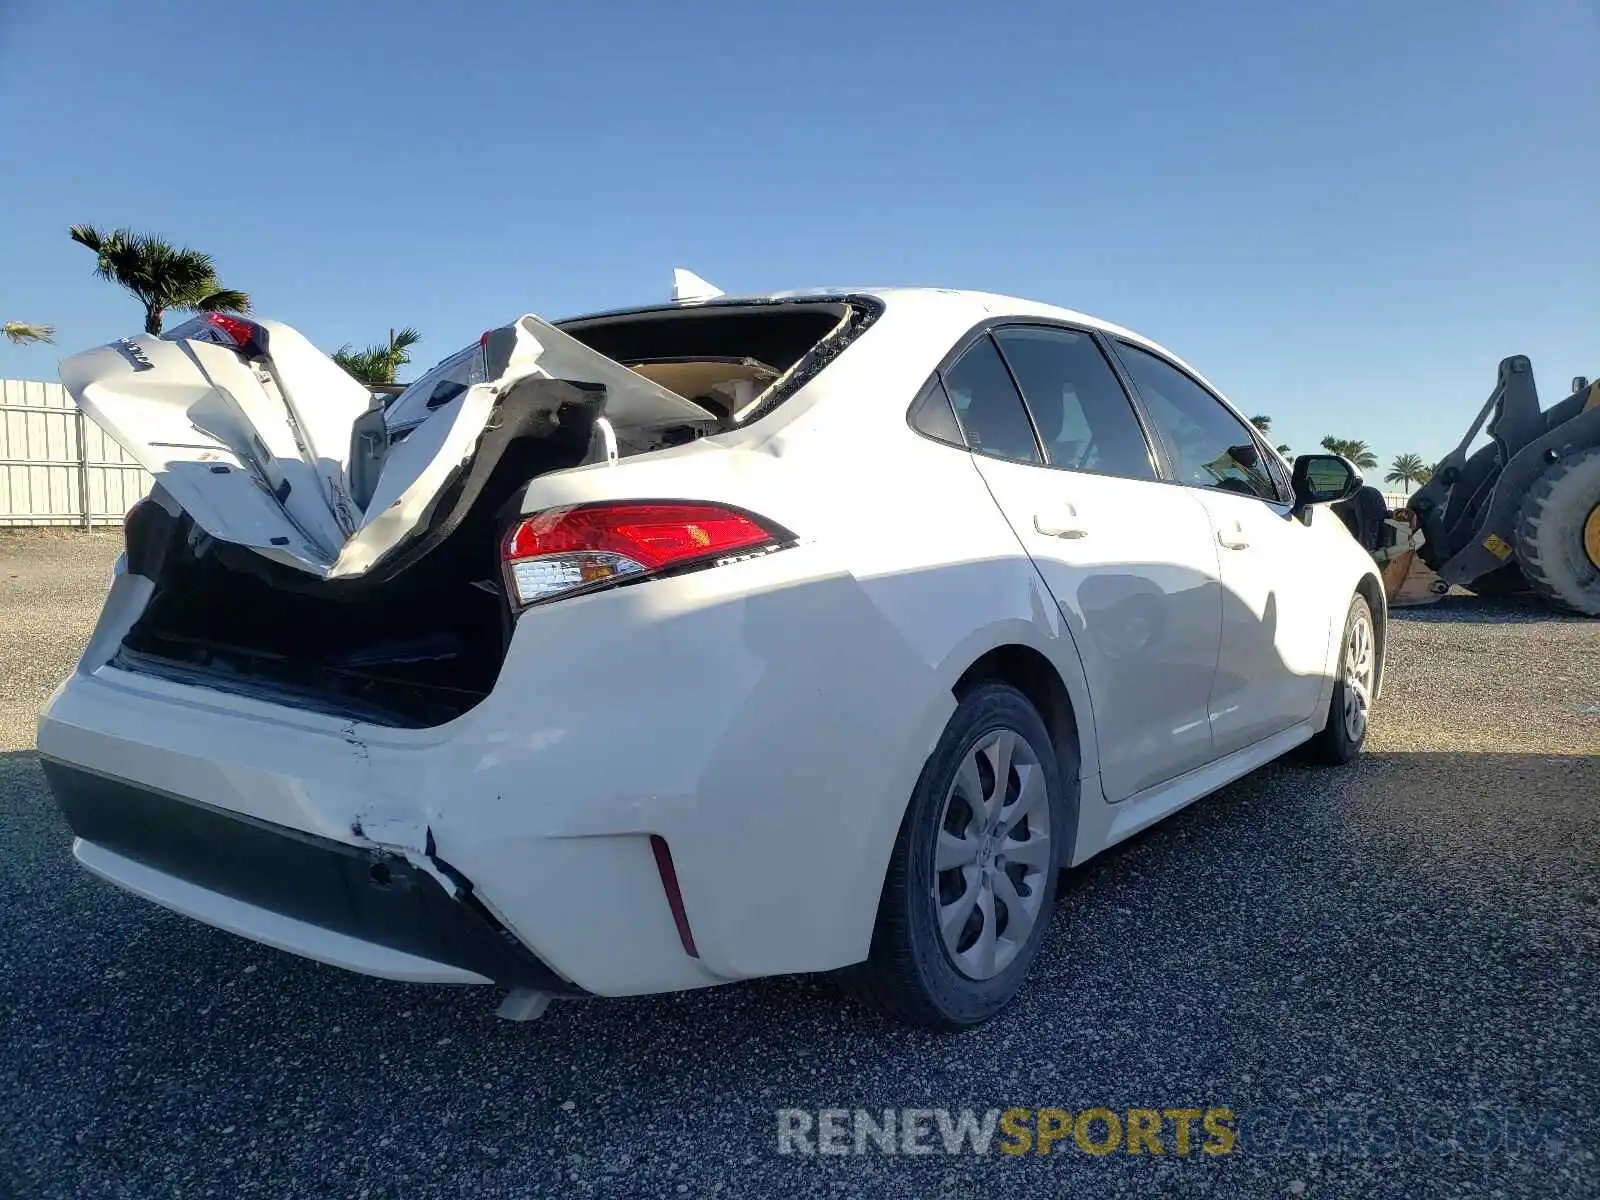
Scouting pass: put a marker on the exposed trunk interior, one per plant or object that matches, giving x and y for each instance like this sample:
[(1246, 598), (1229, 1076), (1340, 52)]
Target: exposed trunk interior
[(406, 656), (422, 640)]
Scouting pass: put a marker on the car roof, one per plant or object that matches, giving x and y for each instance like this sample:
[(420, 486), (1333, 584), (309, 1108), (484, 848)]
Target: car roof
[(977, 303), (953, 305)]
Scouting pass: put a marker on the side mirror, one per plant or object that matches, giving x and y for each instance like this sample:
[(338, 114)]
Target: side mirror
[(1323, 479)]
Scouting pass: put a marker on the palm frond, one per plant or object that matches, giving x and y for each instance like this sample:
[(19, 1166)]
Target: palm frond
[(1405, 468), (379, 364), (87, 235), (221, 300), (1357, 451), (369, 366), (160, 275), (21, 332)]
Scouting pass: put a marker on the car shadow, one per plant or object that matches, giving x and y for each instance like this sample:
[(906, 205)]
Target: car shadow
[(1487, 610), (1302, 935)]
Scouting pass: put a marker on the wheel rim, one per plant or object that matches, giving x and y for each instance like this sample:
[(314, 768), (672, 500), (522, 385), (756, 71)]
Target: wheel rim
[(1591, 537), (1358, 665), (992, 855)]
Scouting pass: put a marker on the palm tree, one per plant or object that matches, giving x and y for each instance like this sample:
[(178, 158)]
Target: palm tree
[(1407, 469), (380, 364), (1356, 451), (159, 275), (20, 333)]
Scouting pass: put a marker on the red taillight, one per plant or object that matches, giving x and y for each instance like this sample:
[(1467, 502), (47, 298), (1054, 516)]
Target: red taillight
[(556, 552), (242, 332)]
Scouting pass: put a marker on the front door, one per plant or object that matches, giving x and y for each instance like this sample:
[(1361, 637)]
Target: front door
[(1275, 623)]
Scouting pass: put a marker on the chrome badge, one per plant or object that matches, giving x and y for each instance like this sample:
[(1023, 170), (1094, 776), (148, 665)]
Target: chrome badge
[(130, 350)]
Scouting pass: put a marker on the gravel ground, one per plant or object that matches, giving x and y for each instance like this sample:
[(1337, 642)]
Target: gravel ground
[(52, 582), (1415, 936)]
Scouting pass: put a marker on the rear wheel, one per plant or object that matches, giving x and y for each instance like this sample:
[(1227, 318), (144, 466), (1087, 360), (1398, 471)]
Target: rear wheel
[(1558, 533), (1350, 708), (972, 877)]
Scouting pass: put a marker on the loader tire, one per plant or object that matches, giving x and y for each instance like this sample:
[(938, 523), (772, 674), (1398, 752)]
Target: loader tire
[(1558, 533)]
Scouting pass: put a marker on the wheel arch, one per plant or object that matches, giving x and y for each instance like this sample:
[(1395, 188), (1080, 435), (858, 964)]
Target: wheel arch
[(1043, 665), (1039, 657), (1035, 676)]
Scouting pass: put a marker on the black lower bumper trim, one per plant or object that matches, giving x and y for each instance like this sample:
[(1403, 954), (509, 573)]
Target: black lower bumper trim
[(362, 892)]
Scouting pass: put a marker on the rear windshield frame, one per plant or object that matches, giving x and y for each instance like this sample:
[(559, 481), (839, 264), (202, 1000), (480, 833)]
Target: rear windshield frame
[(853, 313)]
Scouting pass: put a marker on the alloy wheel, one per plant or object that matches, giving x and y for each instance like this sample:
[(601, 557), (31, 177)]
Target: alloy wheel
[(992, 854), (1359, 659)]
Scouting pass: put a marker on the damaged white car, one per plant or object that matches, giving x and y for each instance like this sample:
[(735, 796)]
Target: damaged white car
[(811, 632)]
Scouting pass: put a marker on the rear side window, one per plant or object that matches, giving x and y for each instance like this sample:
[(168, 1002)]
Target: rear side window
[(988, 406), (1081, 412), (1210, 446), (933, 417)]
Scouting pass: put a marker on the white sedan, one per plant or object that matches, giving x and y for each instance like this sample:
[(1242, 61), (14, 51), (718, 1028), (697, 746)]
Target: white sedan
[(809, 632)]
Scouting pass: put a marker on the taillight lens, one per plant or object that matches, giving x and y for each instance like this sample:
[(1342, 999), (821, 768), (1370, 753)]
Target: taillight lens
[(565, 550), (222, 329), (241, 331)]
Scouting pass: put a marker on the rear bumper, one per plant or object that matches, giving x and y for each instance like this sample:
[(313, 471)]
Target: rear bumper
[(358, 907), (696, 710)]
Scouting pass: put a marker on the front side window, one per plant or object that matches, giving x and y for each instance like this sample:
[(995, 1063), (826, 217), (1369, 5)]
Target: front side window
[(1210, 446), (1083, 416), (988, 406)]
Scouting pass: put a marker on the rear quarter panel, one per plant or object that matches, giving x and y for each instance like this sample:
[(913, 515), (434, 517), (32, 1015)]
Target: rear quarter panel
[(771, 718)]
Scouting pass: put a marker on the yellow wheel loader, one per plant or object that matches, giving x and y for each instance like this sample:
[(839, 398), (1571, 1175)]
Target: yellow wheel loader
[(1521, 513)]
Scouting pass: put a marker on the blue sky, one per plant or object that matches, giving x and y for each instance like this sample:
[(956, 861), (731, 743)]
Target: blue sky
[(1345, 215)]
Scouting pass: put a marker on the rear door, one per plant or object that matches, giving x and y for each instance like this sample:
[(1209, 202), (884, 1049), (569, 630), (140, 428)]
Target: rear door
[(1275, 614), (1130, 561)]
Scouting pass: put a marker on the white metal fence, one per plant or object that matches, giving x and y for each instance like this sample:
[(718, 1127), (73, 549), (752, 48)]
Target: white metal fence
[(57, 467)]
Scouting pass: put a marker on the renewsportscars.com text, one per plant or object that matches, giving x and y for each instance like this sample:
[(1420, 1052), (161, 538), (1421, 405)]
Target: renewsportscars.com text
[(1209, 1132)]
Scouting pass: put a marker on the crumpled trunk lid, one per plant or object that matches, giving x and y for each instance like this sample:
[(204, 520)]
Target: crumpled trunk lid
[(256, 442)]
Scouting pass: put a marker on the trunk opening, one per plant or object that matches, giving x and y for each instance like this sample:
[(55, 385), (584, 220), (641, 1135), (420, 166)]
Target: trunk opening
[(389, 658), (413, 643)]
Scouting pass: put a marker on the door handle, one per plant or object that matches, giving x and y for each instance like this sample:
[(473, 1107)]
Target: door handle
[(1233, 539), (1061, 522)]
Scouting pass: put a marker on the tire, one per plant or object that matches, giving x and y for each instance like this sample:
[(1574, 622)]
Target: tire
[(1559, 510), (913, 972), (1350, 707)]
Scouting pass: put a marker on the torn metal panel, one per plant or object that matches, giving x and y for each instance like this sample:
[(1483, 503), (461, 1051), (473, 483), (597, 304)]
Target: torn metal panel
[(859, 315), (255, 443)]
